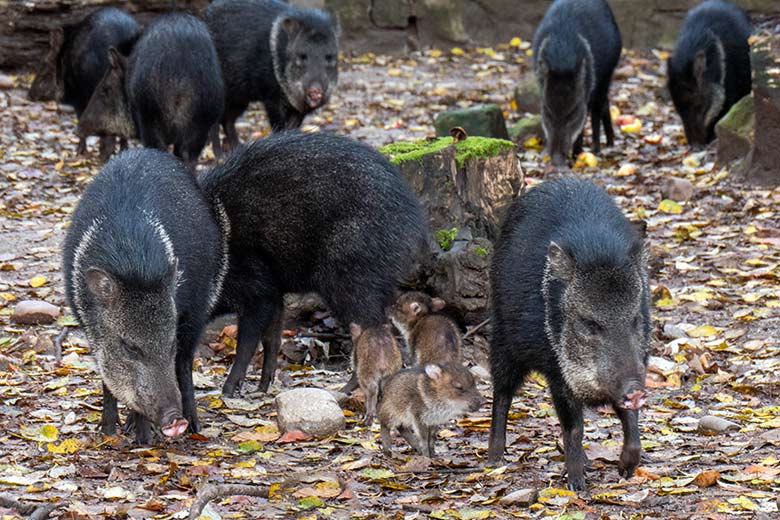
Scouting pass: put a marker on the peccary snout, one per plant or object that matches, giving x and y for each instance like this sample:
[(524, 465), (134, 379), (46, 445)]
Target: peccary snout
[(634, 399), (314, 95), (173, 423)]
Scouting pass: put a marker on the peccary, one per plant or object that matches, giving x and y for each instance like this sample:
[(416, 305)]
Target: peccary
[(311, 213), (141, 280), (576, 48), (376, 355), (431, 338), (78, 59), (170, 90), (415, 401), (710, 68), (570, 300), (284, 56)]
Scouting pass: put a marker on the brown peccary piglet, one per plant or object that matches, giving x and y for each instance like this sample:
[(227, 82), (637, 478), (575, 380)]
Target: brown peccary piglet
[(431, 338), (415, 401), (376, 355)]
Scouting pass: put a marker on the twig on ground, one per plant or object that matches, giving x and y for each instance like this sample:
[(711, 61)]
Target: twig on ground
[(40, 512), (475, 328), (210, 492)]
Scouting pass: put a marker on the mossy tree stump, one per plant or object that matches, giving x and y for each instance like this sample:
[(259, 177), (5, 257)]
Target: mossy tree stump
[(764, 160), (465, 188)]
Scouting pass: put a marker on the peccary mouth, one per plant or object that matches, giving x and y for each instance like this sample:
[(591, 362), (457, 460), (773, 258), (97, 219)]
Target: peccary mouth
[(634, 400), (175, 428)]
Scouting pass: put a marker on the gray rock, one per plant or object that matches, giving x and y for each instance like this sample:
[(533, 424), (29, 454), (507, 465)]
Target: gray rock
[(521, 497), (528, 95), (672, 331), (35, 312), (530, 126), (680, 190), (6, 81), (483, 120), (712, 425), (311, 410)]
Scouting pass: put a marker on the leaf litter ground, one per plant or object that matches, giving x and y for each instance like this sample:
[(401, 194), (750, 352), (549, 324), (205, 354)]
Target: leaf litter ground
[(715, 352)]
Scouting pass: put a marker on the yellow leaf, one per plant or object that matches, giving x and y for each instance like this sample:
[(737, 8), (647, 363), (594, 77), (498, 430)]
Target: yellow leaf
[(532, 142), (626, 170), (632, 128), (702, 331), (67, 446), (691, 161), (37, 281), (435, 53), (457, 51), (513, 104), (49, 432), (515, 42), (586, 159), (394, 72), (671, 207), (614, 113), (744, 503), (7, 296)]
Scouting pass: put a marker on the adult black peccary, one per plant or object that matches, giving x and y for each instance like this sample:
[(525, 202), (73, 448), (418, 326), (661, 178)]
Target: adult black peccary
[(311, 213), (170, 90), (143, 263), (78, 59), (576, 48), (570, 300), (710, 68), (284, 56)]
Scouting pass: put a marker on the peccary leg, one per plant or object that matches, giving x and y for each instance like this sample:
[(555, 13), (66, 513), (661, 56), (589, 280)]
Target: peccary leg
[(384, 436), (372, 392), (185, 355), (276, 116), (142, 427), (216, 145), (229, 124), (252, 324), (151, 137), (632, 447), (351, 384), (107, 147), (81, 149), (606, 118), (110, 416), (413, 439), (502, 401), (570, 414), (595, 124), (432, 433), (578, 144)]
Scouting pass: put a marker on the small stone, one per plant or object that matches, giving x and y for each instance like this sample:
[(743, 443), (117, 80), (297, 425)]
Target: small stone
[(711, 425), (672, 331), (521, 497), (482, 120), (310, 410), (6, 81), (626, 71), (530, 126), (528, 95), (35, 312), (678, 190)]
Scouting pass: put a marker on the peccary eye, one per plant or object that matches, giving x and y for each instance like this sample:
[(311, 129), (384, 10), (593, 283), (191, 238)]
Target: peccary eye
[(591, 326), (301, 58), (457, 386), (132, 351)]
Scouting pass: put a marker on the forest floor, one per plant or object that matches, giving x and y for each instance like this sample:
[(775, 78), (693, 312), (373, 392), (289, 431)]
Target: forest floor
[(716, 345)]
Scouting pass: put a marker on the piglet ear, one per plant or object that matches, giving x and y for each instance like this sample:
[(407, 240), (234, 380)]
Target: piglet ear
[(292, 26), (433, 371), (102, 285), (355, 330), (561, 263), (699, 67), (438, 304)]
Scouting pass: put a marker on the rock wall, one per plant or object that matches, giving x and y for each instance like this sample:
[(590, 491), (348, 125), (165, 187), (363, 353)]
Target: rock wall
[(392, 26)]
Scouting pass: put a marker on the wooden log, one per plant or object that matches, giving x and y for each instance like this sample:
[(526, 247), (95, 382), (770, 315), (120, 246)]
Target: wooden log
[(25, 24)]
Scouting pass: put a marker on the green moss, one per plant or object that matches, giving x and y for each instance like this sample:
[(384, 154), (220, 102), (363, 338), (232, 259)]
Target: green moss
[(445, 238), (481, 251), (472, 147)]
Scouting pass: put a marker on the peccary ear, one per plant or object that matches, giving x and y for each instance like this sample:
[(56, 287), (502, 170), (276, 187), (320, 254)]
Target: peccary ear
[(699, 67), (355, 331), (438, 304), (115, 58), (561, 263), (433, 371), (102, 285), (292, 26)]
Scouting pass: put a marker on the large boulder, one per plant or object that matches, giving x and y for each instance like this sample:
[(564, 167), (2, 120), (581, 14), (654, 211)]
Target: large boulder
[(735, 131), (480, 120)]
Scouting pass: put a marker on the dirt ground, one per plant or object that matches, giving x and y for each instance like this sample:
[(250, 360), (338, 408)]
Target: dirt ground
[(715, 288)]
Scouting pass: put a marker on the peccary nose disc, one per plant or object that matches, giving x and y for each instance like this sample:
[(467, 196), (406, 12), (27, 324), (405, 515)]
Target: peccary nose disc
[(314, 95), (634, 400), (175, 428)]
